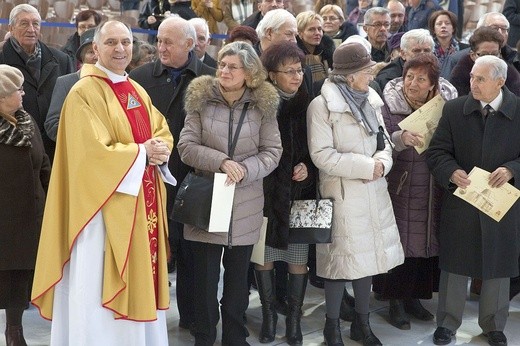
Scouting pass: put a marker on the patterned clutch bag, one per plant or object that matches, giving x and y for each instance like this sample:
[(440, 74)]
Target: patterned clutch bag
[(310, 221)]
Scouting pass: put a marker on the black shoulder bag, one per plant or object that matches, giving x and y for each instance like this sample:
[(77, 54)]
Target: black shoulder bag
[(192, 205)]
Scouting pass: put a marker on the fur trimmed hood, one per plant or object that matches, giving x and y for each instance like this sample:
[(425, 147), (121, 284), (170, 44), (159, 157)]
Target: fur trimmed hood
[(205, 89)]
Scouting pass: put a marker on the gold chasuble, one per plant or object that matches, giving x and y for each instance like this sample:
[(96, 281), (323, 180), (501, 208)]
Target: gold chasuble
[(96, 147)]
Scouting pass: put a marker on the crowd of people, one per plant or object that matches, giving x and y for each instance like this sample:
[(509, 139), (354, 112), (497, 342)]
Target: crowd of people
[(297, 104)]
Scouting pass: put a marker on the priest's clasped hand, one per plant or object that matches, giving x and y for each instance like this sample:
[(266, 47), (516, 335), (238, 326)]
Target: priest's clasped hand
[(157, 151)]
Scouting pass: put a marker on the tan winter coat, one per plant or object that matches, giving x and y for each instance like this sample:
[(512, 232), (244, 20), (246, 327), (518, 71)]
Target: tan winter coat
[(203, 144), (365, 239)]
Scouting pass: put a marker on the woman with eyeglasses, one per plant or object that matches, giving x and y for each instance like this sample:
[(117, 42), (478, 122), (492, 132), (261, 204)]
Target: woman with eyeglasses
[(415, 195), (294, 178), (318, 48), (24, 172), (484, 41), (214, 107), (334, 24), (349, 145)]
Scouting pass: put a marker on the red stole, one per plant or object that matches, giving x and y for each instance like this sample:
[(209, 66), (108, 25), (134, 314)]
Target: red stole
[(139, 120)]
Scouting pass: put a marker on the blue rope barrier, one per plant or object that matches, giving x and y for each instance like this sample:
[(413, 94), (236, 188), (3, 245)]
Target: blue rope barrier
[(134, 30)]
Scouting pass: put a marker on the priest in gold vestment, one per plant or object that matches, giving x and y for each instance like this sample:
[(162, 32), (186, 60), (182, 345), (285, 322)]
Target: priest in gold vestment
[(101, 271)]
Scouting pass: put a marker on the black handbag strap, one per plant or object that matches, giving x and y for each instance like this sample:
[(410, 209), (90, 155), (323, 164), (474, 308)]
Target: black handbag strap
[(232, 144), (317, 193)]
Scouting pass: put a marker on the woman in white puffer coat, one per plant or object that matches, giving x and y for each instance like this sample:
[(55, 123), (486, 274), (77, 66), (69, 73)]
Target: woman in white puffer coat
[(349, 145)]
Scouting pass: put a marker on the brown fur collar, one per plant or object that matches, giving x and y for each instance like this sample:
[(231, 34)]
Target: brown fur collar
[(204, 89)]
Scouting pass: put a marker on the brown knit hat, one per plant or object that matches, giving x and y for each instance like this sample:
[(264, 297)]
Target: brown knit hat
[(350, 58), (11, 79)]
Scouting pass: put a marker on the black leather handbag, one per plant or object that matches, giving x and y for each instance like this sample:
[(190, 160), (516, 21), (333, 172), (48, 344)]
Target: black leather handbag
[(192, 204)]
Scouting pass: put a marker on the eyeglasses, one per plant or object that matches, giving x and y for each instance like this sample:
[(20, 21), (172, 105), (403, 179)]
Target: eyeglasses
[(330, 18), (231, 67), (293, 73), (385, 25), (497, 54), (86, 26), (499, 28)]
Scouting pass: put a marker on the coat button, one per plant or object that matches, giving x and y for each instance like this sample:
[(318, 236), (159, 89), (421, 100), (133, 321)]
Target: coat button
[(169, 80)]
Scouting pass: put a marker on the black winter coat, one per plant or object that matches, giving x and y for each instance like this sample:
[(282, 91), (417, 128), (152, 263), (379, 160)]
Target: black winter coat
[(71, 47), (279, 188), (512, 12), (391, 71), (472, 243), (38, 93), (346, 30), (24, 178), (169, 100)]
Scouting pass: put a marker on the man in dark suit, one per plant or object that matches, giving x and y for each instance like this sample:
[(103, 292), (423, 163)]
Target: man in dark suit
[(413, 42), (40, 65), (166, 81), (477, 130), (203, 39)]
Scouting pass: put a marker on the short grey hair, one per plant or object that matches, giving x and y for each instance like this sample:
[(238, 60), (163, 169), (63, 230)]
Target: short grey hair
[(252, 65), (202, 22), (367, 19), (187, 28), (414, 37), (498, 66), (97, 33), (273, 20), (483, 20), (20, 9)]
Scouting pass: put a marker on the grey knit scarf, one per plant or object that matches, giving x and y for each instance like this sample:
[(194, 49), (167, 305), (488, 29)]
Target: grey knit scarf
[(361, 109)]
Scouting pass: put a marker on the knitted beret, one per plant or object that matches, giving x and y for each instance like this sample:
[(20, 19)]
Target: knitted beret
[(11, 79)]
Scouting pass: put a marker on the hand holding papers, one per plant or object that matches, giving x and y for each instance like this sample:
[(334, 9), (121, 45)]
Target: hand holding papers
[(424, 121), (494, 202)]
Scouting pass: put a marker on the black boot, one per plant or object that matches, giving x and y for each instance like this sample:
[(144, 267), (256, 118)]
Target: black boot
[(346, 310), (14, 336), (414, 307), (398, 317), (296, 288), (360, 331), (265, 283), (332, 332)]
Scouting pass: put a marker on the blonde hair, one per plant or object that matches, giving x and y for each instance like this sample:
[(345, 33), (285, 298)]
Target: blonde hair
[(333, 8), (304, 18)]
